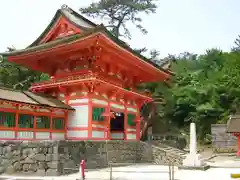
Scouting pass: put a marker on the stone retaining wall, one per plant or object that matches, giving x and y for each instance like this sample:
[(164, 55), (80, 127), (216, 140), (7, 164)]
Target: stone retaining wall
[(53, 158), (38, 158)]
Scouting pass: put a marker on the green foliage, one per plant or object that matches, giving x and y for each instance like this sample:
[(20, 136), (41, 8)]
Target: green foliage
[(118, 13), (18, 77), (205, 90)]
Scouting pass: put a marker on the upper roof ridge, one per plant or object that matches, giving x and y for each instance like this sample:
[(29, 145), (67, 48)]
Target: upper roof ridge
[(66, 7)]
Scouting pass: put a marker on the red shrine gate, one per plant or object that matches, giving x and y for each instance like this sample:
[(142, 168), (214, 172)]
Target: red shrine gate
[(93, 73)]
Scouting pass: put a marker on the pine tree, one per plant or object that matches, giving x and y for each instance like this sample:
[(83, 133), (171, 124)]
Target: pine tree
[(119, 12)]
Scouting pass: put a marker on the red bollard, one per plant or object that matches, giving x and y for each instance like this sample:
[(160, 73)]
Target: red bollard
[(83, 169)]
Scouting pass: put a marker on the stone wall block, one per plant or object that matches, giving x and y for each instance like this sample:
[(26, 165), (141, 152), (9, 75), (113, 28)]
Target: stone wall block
[(69, 164), (52, 172), (16, 152), (42, 165), (2, 169), (26, 151), (8, 155), (48, 157), (39, 157), (40, 172), (17, 166), (33, 167), (55, 150), (1, 150), (29, 160), (10, 170), (53, 165), (25, 167), (55, 157), (8, 149), (50, 150)]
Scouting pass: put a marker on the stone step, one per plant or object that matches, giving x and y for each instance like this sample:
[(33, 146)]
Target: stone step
[(171, 150)]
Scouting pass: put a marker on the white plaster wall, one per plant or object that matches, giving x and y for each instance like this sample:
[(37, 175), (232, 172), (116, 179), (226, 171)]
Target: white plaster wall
[(77, 101), (98, 126), (79, 117), (116, 106), (97, 101), (7, 134), (98, 134), (58, 136), (131, 109), (131, 129), (42, 135), (131, 136), (77, 134), (118, 135), (25, 135)]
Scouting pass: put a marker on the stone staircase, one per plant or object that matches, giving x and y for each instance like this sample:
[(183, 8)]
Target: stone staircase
[(173, 150), (163, 153)]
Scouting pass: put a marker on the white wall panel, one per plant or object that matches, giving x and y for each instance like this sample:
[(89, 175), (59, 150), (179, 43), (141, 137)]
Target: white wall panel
[(131, 137), (77, 134), (42, 135), (98, 134), (25, 135)]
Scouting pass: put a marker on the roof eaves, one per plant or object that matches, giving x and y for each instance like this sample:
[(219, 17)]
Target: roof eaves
[(63, 40), (53, 21), (37, 103)]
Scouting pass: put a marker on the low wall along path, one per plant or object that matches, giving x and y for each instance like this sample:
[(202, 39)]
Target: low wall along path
[(53, 158)]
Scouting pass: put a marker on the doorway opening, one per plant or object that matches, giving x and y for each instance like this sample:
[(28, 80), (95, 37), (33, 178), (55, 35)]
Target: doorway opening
[(117, 125)]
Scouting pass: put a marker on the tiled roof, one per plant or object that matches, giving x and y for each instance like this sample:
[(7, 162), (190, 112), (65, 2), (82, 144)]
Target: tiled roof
[(71, 15), (32, 98), (73, 38), (233, 125)]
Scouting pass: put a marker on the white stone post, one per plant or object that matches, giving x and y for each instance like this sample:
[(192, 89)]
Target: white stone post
[(193, 159), (193, 139)]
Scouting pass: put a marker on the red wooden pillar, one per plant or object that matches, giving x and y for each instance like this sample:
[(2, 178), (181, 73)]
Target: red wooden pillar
[(138, 122), (108, 122), (125, 122), (90, 109), (238, 151), (67, 98), (34, 124), (138, 128), (65, 124), (51, 123), (238, 136), (16, 121)]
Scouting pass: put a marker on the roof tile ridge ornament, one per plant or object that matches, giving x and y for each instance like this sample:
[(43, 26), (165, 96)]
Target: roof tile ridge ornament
[(66, 7)]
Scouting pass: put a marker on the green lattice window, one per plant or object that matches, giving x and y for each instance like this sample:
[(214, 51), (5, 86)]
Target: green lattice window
[(7, 119), (25, 121), (58, 123), (131, 119), (97, 114), (43, 122)]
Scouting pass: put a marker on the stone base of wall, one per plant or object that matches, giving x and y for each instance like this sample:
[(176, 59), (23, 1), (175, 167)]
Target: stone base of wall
[(53, 158), (29, 157), (98, 154)]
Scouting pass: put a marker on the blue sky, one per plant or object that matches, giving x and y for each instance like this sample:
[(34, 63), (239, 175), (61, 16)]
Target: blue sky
[(178, 25)]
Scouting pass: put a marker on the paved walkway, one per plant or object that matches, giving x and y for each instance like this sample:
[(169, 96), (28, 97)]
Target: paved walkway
[(145, 172)]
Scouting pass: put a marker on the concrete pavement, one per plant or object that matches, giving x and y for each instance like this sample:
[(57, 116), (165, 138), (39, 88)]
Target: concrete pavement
[(143, 172)]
